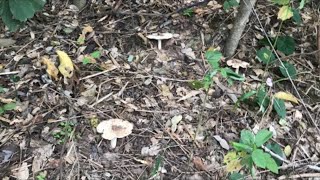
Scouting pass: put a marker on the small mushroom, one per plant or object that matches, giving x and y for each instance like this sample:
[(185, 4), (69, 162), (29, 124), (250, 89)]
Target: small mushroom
[(160, 37), (113, 129)]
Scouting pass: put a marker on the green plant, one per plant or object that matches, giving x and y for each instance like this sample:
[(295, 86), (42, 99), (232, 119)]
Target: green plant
[(228, 4), (213, 57), (15, 13), (7, 107), (188, 12), (64, 131), (249, 155), (91, 58), (41, 176)]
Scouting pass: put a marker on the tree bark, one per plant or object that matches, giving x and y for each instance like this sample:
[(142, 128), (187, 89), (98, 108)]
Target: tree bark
[(238, 26)]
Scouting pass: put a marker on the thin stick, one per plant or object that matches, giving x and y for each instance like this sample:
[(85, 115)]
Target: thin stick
[(305, 175), (9, 73), (97, 74), (102, 99)]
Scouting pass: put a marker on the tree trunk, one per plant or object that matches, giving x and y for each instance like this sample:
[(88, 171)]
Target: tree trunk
[(238, 26)]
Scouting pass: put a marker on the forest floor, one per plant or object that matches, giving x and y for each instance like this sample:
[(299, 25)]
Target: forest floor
[(51, 133)]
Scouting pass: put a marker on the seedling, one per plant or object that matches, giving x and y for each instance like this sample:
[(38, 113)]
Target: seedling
[(188, 12), (91, 58), (213, 57), (248, 155), (41, 176), (64, 132)]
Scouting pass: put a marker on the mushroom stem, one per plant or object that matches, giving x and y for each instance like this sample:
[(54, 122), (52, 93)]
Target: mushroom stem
[(159, 44), (113, 143)]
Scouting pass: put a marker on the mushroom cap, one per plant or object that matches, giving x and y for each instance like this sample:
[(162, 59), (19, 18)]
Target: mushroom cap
[(114, 128), (160, 36), (236, 63)]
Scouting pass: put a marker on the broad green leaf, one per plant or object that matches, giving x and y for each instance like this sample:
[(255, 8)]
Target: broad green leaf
[(296, 16), (262, 99), (9, 106), (262, 136), (236, 176), (285, 13), (271, 164), (21, 9), (247, 137), (8, 19), (258, 158), (265, 55), (286, 96), (213, 57), (228, 4), (286, 44), (38, 4), (2, 5), (280, 107), (241, 147), (281, 2), (96, 54), (292, 72), (274, 147)]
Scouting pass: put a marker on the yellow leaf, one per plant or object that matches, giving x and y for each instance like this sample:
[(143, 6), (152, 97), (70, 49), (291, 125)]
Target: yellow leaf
[(286, 96), (232, 161), (51, 68), (287, 150), (66, 66), (285, 13)]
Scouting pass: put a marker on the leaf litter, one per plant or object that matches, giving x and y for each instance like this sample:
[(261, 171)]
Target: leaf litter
[(151, 91)]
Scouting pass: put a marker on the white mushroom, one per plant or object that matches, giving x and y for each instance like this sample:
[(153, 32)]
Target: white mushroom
[(160, 37), (113, 129)]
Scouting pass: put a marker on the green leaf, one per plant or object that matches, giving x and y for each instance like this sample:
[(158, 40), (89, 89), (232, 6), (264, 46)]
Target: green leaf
[(274, 147), (207, 81), (196, 84), (302, 3), (86, 60), (247, 137), (1, 110), (241, 147), (2, 5), (2, 90), (188, 12), (155, 169), (285, 13), (228, 4), (279, 106), (292, 72), (265, 42), (96, 54), (213, 57), (236, 176), (9, 106), (232, 75), (271, 163), (8, 19), (265, 55), (286, 44), (262, 99), (262, 136), (38, 4), (247, 95), (296, 16), (281, 2), (258, 158), (21, 9)]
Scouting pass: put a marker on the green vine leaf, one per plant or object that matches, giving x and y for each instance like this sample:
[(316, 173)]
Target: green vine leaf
[(292, 72), (262, 136), (279, 106)]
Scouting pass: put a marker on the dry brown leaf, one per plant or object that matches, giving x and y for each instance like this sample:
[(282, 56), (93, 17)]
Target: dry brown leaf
[(198, 163)]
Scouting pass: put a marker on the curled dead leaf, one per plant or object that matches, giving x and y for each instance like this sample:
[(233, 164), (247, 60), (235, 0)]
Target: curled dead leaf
[(66, 66), (51, 68)]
